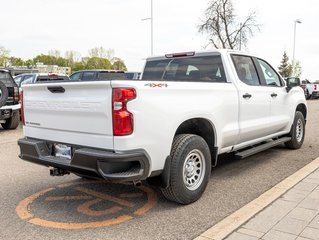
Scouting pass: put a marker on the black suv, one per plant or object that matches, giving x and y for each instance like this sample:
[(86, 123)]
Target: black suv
[(9, 101)]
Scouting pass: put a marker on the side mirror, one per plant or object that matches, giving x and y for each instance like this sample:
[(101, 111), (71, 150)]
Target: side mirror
[(292, 82)]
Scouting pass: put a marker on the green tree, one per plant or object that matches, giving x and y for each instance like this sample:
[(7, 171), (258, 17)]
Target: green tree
[(285, 68), (16, 61), (29, 63), (78, 66), (50, 60), (4, 56), (224, 29), (98, 63), (296, 69), (119, 64)]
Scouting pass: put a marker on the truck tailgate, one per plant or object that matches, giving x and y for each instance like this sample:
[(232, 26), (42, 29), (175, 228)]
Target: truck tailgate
[(70, 112)]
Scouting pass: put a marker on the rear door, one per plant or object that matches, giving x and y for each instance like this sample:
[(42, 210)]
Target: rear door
[(78, 113)]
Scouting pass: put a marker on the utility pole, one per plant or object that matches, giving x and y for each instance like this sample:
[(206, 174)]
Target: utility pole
[(294, 47), (152, 28)]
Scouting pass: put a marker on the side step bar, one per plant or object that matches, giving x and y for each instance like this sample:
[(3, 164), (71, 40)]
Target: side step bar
[(260, 148)]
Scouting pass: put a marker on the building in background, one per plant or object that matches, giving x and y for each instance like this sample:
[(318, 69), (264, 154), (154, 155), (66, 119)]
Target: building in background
[(52, 69), (39, 68)]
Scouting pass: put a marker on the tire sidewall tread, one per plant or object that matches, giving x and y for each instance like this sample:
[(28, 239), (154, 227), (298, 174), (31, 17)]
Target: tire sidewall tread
[(183, 144)]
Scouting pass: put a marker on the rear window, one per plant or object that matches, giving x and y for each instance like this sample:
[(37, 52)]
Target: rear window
[(112, 76), (7, 79), (194, 69), (52, 78)]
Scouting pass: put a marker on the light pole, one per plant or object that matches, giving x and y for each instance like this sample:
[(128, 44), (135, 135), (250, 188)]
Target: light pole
[(294, 47), (152, 34)]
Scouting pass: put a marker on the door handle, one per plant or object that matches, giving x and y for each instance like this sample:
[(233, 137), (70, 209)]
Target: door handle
[(247, 95), (56, 89), (274, 95)]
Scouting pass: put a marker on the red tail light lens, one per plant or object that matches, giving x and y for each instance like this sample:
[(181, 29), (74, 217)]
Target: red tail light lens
[(122, 118), (16, 95), (22, 108)]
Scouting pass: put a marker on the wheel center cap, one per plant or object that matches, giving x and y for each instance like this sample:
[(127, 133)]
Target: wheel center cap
[(190, 169)]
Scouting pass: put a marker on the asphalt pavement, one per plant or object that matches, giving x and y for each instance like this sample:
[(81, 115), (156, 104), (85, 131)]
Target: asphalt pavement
[(37, 206)]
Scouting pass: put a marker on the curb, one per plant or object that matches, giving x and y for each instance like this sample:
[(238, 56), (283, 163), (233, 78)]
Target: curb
[(238, 218)]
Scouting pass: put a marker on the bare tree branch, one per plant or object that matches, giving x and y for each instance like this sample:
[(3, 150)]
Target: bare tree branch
[(223, 27)]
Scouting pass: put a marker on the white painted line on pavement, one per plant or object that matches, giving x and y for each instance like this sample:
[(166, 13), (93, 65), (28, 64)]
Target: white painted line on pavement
[(238, 218)]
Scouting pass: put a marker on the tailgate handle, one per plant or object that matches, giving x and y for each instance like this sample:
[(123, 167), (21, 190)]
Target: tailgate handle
[(57, 89)]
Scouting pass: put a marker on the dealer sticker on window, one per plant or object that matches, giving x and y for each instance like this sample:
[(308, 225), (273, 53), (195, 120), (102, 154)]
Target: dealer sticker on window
[(63, 151)]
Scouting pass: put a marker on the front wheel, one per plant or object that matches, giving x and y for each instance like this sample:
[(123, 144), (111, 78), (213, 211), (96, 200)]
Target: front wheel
[(190, 169), (297, 132)]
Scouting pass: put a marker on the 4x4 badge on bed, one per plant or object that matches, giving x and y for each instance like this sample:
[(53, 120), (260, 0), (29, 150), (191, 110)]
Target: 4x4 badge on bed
[(154, 85)]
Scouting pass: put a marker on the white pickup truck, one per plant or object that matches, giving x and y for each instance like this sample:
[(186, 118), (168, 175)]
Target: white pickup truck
[(311, 90), (169, 127)]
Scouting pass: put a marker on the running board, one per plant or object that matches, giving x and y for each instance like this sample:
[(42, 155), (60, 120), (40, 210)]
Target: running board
[(260, 148)]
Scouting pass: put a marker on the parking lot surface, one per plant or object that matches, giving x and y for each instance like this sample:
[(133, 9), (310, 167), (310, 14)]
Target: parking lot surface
[(37, 206)]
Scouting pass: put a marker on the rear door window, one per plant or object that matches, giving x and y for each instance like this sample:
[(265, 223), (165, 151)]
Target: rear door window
[(246, 70), (76, 76), (192, 69), (88, 76)]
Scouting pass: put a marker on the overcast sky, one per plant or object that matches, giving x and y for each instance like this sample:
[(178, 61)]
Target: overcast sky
[(32, 27)]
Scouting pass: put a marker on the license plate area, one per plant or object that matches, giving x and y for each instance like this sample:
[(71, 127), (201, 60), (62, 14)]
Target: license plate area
[(62, 151)]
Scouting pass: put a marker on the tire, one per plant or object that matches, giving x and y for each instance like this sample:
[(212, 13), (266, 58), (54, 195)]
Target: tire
[(3, 94), (297, 132), (188, 181), (13, 122)]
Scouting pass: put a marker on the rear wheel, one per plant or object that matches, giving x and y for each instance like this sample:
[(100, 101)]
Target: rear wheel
[(297, 132), (190, 169), (13, 122)]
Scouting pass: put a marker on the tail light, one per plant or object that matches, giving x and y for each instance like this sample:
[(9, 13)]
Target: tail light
[(16, 94), (122, 118), (22, 108), (315, 87)]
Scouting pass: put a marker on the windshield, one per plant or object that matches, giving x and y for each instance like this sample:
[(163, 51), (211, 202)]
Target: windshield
[(201, 69)]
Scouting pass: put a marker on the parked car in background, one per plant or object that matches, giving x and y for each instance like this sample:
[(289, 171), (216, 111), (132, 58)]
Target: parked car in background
[(98, 74), (133, 75), (28, 78), (9, 101), (311, 90)]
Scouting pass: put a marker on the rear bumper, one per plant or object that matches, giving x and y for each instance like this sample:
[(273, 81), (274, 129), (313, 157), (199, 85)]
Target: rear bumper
[(7, 111), (123, 166), (315, 94)]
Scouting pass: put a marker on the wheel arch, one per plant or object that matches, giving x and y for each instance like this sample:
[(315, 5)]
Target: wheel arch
[(198, 126), (303, 109)]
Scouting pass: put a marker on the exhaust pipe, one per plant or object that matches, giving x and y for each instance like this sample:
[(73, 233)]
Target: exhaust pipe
[(137, 183), (58, 172)]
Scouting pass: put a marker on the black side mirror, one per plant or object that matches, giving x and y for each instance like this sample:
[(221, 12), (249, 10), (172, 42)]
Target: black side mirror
[(292, 82)]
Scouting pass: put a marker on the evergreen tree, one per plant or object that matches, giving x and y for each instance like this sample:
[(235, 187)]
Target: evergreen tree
[(285, 68)]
